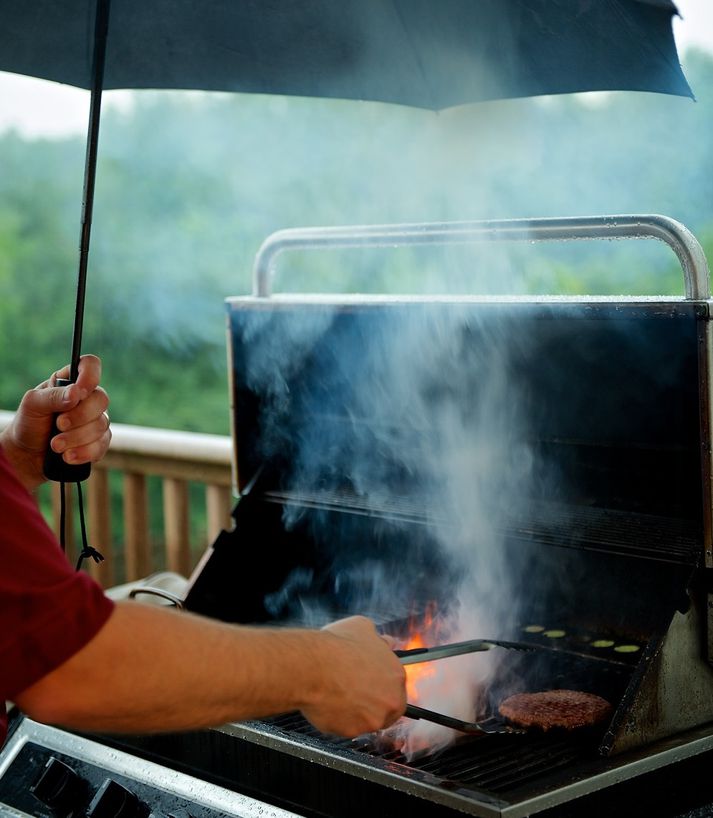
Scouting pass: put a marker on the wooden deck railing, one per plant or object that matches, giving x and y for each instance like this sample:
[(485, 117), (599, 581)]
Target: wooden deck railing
[(147, 539)]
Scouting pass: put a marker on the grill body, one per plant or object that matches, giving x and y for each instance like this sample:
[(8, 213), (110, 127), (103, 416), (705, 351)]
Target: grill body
[(604, 536)]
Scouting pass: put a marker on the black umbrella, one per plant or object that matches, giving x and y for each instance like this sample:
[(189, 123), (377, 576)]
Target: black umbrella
[(426, 53)]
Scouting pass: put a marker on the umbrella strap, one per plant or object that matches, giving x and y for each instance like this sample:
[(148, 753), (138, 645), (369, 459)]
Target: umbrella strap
[(87, 552), (62, 516)]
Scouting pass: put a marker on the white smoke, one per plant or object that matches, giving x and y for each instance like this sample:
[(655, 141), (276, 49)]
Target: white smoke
[(421, 402)]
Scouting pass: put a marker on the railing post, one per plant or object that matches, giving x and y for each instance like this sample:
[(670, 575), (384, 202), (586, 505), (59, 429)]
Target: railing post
[(219, 503), (99, 519), (136, 526), (175, 525)]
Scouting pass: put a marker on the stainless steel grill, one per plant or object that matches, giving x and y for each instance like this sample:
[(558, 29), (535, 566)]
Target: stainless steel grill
[(617, 402)]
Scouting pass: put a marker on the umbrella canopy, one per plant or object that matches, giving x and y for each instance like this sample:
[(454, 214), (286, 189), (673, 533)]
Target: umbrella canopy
[(426, 53)]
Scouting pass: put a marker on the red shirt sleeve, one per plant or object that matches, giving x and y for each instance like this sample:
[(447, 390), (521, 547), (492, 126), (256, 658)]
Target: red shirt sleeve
[(48, 611)]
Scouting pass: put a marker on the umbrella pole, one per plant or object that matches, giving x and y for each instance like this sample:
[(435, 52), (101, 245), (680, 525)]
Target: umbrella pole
[(55, 467), (101, 29)]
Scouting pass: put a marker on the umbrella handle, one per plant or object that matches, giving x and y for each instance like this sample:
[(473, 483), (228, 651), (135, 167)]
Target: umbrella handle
[(676, 235), (55, 468)]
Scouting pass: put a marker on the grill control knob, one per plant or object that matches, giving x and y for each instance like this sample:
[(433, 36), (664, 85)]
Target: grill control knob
[(114, 801), (59, 787)]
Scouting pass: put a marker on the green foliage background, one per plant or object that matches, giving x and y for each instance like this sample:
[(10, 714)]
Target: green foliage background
[(190, 184)]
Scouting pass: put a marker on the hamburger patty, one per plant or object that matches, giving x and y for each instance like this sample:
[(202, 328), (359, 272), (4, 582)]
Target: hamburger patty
[(567, 709)]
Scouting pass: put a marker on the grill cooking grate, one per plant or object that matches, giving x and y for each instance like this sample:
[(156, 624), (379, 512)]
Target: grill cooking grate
[(498, 764)]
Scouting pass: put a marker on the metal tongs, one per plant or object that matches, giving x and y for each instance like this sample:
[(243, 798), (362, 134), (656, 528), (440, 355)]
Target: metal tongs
[(492, 724), (415, 655)]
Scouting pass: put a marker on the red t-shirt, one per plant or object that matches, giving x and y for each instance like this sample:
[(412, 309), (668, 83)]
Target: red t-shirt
[(48, 611)]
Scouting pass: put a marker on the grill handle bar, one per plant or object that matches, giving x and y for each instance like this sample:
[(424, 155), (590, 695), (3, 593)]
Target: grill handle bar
[(684, 244)]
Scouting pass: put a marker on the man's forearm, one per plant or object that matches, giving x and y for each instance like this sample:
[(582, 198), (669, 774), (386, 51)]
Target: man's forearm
[(152, 669)]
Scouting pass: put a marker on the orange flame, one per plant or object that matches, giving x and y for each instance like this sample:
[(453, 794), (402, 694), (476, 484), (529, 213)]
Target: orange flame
[(415, 674), (423, 634), (453, 686)]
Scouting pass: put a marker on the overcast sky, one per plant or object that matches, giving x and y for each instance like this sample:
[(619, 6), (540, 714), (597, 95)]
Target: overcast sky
[(35, 107)]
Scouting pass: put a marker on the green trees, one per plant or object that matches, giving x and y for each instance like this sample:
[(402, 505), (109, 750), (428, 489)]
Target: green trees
[(37, 258)]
